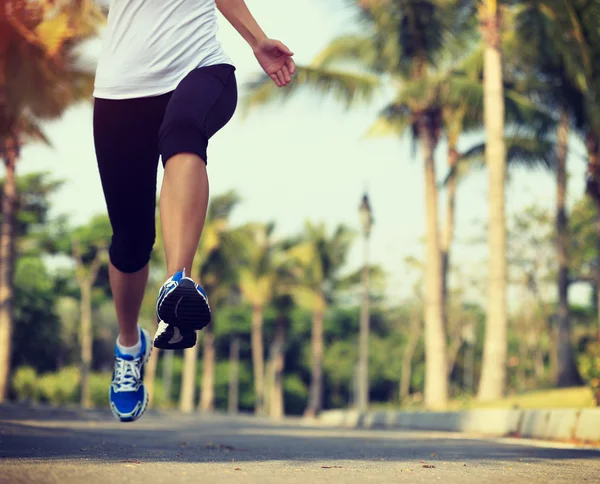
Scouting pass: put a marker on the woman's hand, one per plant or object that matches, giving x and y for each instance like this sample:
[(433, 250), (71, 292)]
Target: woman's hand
[(276, 60)]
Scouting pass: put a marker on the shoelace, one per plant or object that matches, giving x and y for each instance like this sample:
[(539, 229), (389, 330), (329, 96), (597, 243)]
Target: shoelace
[(127, 375)]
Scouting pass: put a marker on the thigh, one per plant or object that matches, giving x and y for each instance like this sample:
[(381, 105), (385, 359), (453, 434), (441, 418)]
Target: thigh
[(200, 106), (126, 143)]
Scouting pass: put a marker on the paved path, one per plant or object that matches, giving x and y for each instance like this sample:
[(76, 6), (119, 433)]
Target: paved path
[(67, 446)]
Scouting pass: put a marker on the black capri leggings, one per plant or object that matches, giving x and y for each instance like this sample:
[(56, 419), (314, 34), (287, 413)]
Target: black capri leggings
[(131, 134)]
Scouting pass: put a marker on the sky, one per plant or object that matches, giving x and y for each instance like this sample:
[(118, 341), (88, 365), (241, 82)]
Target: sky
[(307, 158)]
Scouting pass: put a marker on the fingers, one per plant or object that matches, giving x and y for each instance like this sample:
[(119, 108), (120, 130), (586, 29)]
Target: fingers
[(291, 66), (286, 74), (281, 78), (276, 80)]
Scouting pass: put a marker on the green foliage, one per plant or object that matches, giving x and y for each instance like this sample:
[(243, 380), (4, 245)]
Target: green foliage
[(589, 365), (36, 333), (60, 388), (99, 388), (24, 383), (295, 394)]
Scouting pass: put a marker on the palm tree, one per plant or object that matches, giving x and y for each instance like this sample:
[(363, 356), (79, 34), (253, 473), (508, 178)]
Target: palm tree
[(321, 257), (403, 40), (563, 63), (39, 79), (493, 371), (257, 282)]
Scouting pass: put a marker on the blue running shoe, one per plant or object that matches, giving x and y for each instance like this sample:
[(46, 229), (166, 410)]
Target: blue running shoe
[(128, 395), (182, 308)]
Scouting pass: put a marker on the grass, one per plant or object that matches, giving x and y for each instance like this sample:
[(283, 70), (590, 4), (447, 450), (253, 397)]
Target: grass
[(576, 397)]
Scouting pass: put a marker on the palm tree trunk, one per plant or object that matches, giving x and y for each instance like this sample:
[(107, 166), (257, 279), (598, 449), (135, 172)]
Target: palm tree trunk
[(436, 373), (188, 380), (234, 377), (207, 395), (407, 356), (258, 362), (277, 402), (7, 261), (567, 374), (449, 232), (86, 340), (493, 373), (316, 384), (150, 375), (167, 375)]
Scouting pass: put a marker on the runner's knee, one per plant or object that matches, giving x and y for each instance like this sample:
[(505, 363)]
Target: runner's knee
[(130, 251)]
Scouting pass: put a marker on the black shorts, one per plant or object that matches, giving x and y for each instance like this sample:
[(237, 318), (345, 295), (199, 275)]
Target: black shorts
[(131, 134), (181, 121)]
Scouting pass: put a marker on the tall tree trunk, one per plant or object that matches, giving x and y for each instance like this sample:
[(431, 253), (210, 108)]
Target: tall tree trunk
[(234, 376), (86, 278), (188, 380), (86, 340), (449, 231), (407, 356), (493, 373), (436, 366), (7, 261), (363, 359), (258, 362), (316, 384), (207, 395), (454, 347), (568, 374), (150, 375), (277, 401), (167, 375)]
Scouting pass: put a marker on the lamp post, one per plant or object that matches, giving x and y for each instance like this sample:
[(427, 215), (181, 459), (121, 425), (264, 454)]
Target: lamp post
[(366, 220)]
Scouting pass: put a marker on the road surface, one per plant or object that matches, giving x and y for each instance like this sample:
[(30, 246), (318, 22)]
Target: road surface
[(70, 446)]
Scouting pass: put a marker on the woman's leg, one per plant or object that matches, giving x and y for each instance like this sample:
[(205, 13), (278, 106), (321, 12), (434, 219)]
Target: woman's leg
[(126, 140), (200, 106), (183, 204)]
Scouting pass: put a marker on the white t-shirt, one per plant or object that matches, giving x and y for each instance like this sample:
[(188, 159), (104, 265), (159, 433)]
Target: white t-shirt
[(149, 46)]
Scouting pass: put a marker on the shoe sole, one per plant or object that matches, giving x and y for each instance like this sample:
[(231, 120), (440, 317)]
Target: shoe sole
[(185, 308), (163, 341), (146, 395)]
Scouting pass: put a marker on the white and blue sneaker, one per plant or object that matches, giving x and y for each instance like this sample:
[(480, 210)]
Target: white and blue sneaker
[(182, 308), (128, 395)]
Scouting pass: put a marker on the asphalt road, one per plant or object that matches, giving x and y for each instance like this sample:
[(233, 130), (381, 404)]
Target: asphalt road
[(69, 446)]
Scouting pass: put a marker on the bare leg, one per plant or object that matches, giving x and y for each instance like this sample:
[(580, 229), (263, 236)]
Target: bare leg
[(183, 204), (128, 292)]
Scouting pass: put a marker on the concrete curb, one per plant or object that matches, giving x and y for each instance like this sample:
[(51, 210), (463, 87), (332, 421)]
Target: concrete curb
[(544, 424)]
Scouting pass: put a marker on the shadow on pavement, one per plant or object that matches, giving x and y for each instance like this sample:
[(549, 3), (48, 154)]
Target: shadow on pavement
[(48, 434)]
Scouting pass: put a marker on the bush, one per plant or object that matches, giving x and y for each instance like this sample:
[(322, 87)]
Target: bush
[(60, 388), (589, 365), (295, 395), (99, 388), (25, 384)]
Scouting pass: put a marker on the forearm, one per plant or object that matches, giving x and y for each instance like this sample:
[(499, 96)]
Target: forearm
[(239, 16)]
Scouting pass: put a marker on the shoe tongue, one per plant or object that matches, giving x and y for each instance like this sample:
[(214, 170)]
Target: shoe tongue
[(124, 356), (177, 276)]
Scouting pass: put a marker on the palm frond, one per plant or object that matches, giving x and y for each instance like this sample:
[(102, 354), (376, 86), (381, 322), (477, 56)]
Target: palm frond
[(525, 152), (346, 87)]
